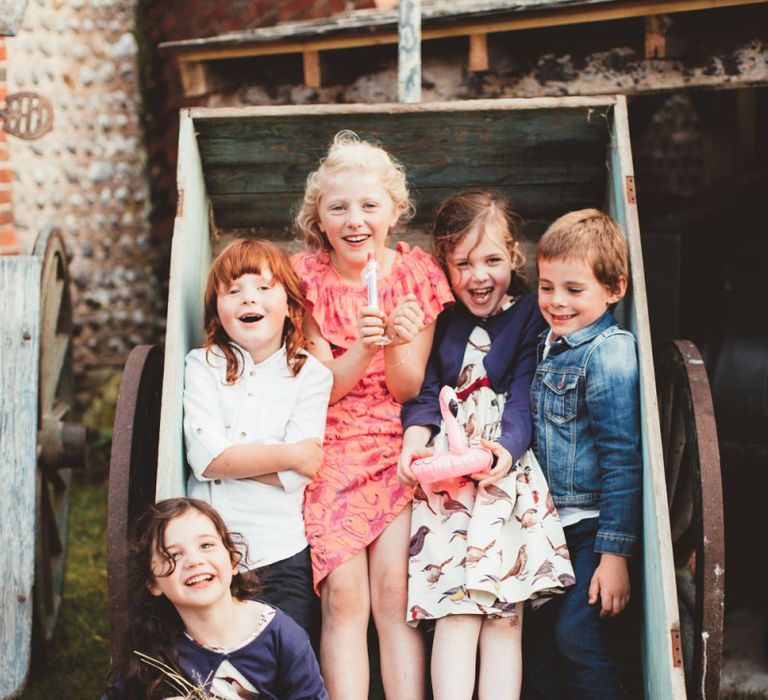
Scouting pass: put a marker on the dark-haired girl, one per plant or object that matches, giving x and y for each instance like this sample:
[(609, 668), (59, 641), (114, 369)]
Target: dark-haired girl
[(194, 622)]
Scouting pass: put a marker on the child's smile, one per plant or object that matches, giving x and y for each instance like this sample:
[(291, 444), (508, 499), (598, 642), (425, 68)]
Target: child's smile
[(252, 310), (356, 214), (480, 269), (571, 297), (202, 570)]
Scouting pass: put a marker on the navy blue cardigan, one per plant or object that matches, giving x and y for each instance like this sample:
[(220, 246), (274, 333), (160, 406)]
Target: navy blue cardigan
[(510, 366)]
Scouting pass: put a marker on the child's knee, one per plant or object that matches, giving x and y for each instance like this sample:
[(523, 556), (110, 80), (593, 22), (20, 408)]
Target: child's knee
[(389, 596), (345, 598)]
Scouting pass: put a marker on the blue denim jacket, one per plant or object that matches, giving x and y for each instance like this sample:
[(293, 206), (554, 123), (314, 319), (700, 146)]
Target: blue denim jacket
[(586, 410)]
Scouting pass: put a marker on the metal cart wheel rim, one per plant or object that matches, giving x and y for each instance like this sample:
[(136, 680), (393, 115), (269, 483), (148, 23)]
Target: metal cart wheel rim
[(694, 490)]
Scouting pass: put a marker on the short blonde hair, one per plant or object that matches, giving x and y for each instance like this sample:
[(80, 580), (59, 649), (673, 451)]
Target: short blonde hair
[(349, 152), (590, 235)]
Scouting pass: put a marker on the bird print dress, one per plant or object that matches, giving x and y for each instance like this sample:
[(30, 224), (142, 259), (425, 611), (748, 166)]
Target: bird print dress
[(481, 551)]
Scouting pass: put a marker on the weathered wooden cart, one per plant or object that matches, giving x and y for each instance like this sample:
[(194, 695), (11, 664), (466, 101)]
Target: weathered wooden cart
[(244, 170), (39, 446)]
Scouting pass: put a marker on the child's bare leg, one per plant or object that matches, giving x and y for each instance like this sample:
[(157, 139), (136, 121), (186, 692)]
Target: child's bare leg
[(401, 646), (453, 656), (346, 605), (501, 659)]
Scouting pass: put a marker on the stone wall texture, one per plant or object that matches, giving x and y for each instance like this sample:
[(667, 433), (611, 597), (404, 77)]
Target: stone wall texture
[(88, 174)]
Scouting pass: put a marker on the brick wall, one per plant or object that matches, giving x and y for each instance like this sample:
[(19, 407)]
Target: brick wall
[(9, 244)]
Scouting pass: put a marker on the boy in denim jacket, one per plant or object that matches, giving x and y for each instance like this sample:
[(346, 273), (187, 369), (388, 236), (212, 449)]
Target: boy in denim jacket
[(585, 403)]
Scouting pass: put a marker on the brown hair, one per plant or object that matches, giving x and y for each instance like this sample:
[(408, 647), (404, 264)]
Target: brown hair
[(469, 211), (590, 235), (348, 152), (242, 257), (154, 625)]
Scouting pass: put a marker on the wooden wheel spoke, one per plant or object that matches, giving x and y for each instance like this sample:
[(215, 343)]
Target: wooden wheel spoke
[(54, 290), (682, 506), (675, 446), (53, 362)]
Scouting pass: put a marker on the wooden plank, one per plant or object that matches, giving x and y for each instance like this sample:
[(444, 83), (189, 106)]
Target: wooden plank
[(273, 212), (311, 63), (661, 624), (224, 179), (244, 115), (478, 52), (19, 353), (194, 78), (377, 28), (305, 136), (190, 259)]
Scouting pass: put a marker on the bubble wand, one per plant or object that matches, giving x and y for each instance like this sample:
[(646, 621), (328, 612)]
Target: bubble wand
[(370, 279)]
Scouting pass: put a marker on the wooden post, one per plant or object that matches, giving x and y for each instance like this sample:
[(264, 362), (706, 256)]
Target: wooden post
[(656, 36), (311, 61), (195, 78), (478, 52), (409, 52)]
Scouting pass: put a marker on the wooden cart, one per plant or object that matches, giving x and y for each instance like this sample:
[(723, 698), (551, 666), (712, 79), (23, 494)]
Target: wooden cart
[(39, 446), (244, 169)]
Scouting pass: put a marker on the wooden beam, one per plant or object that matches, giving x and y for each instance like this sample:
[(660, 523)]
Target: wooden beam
[(218, 49), (478, 52), (656, 36), (311, 60), (195, 78)]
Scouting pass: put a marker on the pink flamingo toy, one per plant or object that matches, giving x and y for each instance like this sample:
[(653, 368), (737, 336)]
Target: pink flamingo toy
[(458, 459)]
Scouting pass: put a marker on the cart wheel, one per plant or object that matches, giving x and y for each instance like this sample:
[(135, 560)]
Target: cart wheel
[(132, 470), (694, 490), (60, 443)]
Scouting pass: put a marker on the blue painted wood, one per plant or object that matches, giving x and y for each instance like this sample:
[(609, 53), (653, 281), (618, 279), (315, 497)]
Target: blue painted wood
[(190, 260), (19, 352), (409, 52), (663, 670)]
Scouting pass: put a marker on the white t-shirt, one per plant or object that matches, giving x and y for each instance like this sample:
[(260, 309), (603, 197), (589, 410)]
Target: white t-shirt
[(267, 405)]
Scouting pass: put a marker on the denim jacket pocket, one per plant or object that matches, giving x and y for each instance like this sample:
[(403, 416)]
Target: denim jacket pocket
[(561, 396)]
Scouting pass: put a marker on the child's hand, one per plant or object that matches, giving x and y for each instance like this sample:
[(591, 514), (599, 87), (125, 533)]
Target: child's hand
[(610, 583), (502, 467), (370, 327), (308, 456), (404, 473), (405, 321)]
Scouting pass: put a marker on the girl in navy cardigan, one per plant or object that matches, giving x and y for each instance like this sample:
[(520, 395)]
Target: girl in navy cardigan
[(194, 626), (481, 544)]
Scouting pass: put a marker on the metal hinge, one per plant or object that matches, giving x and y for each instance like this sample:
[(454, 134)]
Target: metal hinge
[(27, 115), (677, 649), (631, 189)]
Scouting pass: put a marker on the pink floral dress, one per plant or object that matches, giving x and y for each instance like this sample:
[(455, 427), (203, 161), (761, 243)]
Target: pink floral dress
[(356, 494)]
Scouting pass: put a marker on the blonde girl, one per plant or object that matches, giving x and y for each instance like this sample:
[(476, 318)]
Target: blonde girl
[(357, 514)]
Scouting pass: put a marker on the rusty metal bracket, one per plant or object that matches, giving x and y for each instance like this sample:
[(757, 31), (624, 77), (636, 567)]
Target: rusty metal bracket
[(27, 115)]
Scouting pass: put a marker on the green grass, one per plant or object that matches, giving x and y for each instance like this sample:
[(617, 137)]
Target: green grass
[(78, 657)]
